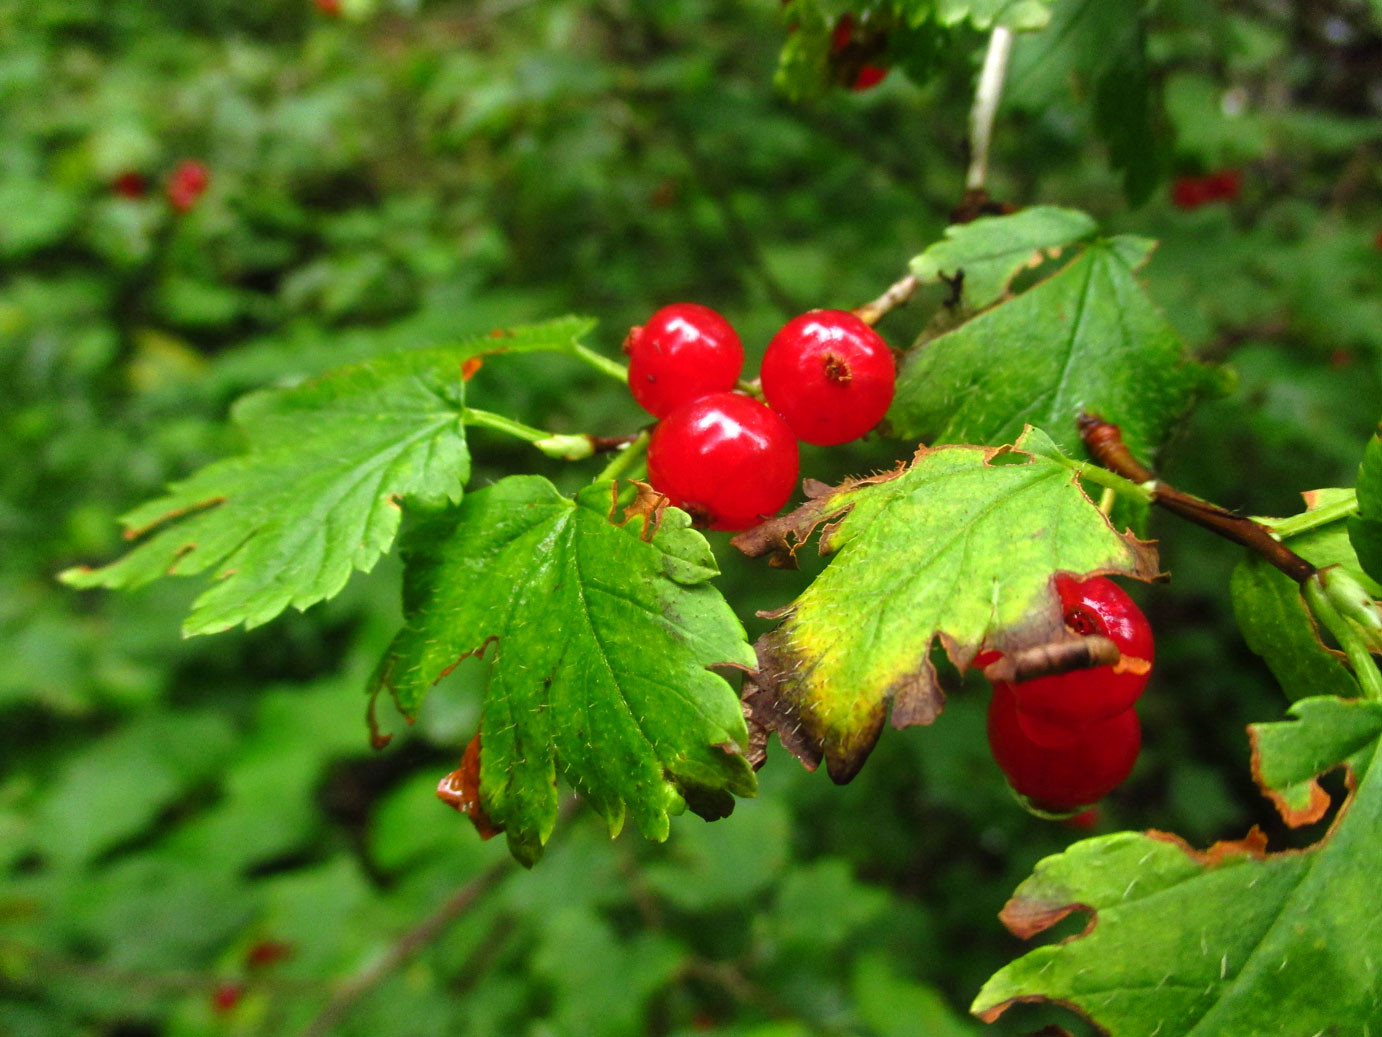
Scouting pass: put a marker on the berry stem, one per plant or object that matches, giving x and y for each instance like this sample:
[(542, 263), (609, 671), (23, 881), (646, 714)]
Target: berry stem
[(1308, 520), (603, 364), (625, 459), (986, 98), (1350, 640), (564, 447), (1104, 441)]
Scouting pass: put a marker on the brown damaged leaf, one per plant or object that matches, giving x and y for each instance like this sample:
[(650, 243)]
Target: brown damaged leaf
[(461, 789), (957, 549)]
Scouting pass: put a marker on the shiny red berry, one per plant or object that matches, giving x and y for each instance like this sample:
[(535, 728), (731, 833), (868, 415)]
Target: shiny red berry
[(1093, 606), (683, 352), (1064, 771), (187, 183), (829, 375), (725, 458)]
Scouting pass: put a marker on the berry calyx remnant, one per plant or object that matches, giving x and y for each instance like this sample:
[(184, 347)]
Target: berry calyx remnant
[(725, 458), (829, 375), (1064, 772), (683, 352), (187, 183)]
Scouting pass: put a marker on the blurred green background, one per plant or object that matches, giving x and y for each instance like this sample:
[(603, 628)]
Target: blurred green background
[(195, 837)]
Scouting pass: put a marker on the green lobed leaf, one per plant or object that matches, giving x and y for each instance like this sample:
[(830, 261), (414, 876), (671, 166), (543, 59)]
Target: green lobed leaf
[(960, 547), (1018, 15), (1288, 756), (1365, 529), (992, 250), (1230, 942), (1098, 49), (1085, 339), (317, 493), (600, 641)]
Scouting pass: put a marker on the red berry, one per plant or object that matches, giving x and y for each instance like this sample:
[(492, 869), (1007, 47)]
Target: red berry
[(1078, 771), (330, 8), (265, 953), (187, 183), (1188, 192), (869, 77), (1093, 606), (829, 375), (225, 997), (684, 352), (725, 458), (130, 184)]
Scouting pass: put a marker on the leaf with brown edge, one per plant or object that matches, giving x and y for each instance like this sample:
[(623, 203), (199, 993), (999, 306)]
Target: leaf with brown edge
[(600, 638), (1288, 757), (959, 549), (1234, 941)]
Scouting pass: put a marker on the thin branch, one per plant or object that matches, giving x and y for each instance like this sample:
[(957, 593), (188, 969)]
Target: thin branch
[(898, 294), (986, 99), (1104, 441), (414, 940)]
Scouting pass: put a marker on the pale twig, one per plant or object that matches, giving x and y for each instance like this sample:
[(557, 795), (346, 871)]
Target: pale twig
[(985, 108), (898, 294)]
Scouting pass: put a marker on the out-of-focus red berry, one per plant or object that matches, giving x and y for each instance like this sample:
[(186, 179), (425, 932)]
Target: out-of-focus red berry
[(187, 183), (225, 997), (1191, 192), (130, 184), (264, 953), (330, 8)]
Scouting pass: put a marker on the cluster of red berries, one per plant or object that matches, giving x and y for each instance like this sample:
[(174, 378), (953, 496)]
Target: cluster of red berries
[(1067, 740), (851, 50), (725, 457), (1190, 192), (184, 187)]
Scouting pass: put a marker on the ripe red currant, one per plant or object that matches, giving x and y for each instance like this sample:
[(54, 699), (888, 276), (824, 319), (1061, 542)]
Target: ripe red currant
[(725, 458), (683, 352), (829, 375), (1083, 765), (187, 183), (1093, 606)]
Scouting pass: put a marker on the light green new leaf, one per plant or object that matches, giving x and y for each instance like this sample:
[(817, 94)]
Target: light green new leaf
[(1086, 339), (1288, 756), (317, 493), (1232, 942), (991, 250), (1365, 530), (600, 642), (1272, 615), (1018, 15), (961, 547)]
